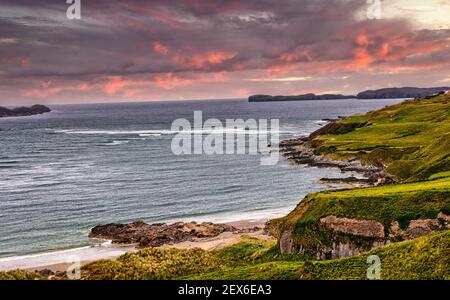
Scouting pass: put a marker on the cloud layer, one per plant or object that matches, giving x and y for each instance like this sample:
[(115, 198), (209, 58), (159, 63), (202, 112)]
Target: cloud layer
[(151, 50)]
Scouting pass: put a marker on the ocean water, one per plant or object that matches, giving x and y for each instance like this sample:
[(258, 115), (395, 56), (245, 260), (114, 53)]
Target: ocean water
[(64, 172)]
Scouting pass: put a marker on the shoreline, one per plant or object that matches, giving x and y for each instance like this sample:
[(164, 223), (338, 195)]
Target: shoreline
[(60, 261), (56, 261), (297, 151), (292, 149)]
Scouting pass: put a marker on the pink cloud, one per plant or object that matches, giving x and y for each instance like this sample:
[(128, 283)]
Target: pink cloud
[(115, 84), (169, 81), (19, 61), (160, 48)]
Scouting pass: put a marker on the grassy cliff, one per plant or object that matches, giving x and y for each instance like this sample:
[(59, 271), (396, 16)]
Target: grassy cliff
[(412, 141)]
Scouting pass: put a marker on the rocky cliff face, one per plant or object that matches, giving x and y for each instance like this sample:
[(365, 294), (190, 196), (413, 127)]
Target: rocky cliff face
[(336, 237)]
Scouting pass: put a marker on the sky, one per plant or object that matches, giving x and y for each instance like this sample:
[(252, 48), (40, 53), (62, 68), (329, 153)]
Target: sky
[(204, 49)]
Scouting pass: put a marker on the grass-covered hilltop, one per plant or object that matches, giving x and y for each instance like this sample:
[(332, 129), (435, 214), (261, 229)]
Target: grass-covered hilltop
[(404, 221)]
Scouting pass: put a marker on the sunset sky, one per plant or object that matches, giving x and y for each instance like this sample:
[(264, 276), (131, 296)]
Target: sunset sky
[(198, 49)]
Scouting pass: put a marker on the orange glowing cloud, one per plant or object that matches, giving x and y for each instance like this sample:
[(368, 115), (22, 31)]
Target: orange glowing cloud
[(362, 58), (160, 48), (297, 55), (84, 87), (198, 61), (169, 81), (203, 60), (368, 54), (42, 92), (212, 58), (115, 84), (384, 50)]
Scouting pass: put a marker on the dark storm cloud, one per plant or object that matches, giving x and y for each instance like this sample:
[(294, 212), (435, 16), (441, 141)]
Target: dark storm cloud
[(168, 42)]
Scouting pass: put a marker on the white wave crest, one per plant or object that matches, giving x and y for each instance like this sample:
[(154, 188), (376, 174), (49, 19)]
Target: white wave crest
[(149, 133)]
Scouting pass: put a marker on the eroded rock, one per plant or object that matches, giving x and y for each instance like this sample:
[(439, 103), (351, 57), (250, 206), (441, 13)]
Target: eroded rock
[(418, 228), (342, 237), (286, 242), (154, 235), (364, 228)]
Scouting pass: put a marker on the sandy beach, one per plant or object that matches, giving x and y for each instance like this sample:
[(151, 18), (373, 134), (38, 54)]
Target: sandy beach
[(60, 261)]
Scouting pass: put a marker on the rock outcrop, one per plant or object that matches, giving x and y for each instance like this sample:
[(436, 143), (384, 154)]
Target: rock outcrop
[(418, 228), (342, 237), (364, 228), (154, 235)]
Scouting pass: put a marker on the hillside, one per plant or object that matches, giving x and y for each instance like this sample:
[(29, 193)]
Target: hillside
[(411, 141)]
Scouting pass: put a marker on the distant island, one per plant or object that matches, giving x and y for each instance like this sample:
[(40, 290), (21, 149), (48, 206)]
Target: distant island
[(269, 98), (23, 111), (405, 92), (386, 93)]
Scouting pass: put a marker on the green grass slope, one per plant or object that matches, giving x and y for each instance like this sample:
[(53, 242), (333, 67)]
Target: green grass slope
[(400, 202), (412, 140), (158, 263)]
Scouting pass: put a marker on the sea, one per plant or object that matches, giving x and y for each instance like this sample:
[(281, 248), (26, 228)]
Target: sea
[(82, 165)]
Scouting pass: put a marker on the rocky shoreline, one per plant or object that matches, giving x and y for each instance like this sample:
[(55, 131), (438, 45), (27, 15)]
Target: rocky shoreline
[(159, 234), (297, 151)]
